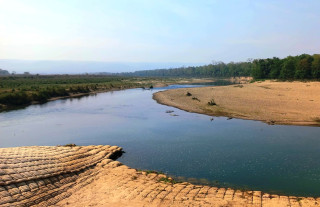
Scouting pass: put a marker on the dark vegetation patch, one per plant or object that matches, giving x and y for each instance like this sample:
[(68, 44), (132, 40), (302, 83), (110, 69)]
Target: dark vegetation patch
[(212, 103), (317, 119), (167, 180), (151, 171), (195, 98), (19, 90), (301, 67)]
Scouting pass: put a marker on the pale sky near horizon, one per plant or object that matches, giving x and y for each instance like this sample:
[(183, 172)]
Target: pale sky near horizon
[(198, 31)]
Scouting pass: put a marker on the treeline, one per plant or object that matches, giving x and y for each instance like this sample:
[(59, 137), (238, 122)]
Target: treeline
[(292, 67), (218, 69)]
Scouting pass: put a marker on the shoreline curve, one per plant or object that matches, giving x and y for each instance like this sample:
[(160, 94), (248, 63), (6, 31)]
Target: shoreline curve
[(271, 102)]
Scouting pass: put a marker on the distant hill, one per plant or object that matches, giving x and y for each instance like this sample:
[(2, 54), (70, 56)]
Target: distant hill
[(81, 67), (4, 72)]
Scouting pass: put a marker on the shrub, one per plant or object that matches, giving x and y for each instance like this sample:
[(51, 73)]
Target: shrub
[(70, 145), (168, 180), (212, 103), (19, 98), (195, 98)]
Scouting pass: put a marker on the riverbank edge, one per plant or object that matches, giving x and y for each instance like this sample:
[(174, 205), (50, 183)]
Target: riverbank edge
[(5, 108), (75, 95), (213, 196), (115, 176), (231, 116), (222, 112)]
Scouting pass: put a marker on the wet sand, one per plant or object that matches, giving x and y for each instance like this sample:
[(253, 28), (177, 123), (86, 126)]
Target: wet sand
[(294, 103)]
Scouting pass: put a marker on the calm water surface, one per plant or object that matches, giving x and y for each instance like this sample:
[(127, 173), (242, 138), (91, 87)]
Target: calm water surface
[(233, 153)]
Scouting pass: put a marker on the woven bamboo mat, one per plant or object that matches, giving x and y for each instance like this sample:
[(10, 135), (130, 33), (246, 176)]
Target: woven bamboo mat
[(32, 175)]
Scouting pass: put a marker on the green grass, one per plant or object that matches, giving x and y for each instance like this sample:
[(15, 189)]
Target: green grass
[(151, 171), (167, 180)]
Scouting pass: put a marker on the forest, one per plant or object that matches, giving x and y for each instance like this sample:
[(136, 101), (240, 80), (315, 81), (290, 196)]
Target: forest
[(290, 68)]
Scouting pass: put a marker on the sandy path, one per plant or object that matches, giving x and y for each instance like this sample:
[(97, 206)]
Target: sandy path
[(295, 103)]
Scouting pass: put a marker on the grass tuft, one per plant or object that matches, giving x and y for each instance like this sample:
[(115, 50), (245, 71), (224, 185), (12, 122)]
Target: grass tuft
[(212, 103), (195, 98), (70, 145), (317, 119), (167, 180)]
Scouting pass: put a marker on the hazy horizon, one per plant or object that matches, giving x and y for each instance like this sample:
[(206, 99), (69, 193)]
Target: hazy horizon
[(153, 34), (80, 67)]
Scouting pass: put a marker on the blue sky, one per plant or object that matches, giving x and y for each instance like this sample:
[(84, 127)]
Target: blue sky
[(183, 31)]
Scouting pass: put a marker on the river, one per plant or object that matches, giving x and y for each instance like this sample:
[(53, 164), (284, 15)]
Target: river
[(234, 153)]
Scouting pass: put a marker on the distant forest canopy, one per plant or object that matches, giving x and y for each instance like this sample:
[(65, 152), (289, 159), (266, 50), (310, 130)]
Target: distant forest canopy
[(292, 67), (4, 72)]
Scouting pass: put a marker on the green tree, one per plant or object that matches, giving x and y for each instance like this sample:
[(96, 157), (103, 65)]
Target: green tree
[(256, 70), (275, 68), (288, 68), (315, 67), (303, 68)]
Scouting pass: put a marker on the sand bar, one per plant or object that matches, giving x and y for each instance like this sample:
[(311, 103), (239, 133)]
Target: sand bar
[(294, 103)]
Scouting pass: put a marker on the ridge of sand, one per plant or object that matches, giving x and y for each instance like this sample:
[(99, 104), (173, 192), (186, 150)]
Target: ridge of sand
[(294, 103)]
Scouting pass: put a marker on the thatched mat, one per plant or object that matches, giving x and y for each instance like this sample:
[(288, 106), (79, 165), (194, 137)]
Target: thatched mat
[(35, 175)]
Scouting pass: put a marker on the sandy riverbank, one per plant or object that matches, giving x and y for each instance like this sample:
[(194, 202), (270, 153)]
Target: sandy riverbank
[(294, 103), (88, 176)]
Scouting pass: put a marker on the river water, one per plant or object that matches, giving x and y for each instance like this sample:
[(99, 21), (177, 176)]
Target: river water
[(232, 153)]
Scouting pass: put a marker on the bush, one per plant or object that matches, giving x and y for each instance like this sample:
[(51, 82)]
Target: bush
[(195, 98), (44, 94), (167, 180), (19, 98), (212, 103)]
